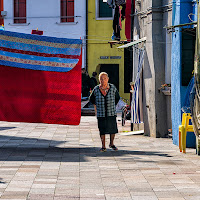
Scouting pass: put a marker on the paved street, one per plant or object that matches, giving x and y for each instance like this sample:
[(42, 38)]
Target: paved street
[(41, 161)]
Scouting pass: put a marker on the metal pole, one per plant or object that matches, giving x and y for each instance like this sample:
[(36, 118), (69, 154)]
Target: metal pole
[(131, 52)]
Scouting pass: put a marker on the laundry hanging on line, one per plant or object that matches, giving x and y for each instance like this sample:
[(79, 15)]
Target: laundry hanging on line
[(116, 24), (119, 16), (120, 2), (117, 21), (112, 3)]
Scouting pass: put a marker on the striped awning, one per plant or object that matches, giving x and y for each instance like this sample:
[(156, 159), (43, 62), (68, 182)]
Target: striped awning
[(132, 43), (135, 107)]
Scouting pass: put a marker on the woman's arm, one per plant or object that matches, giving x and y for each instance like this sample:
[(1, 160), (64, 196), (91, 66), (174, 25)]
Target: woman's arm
[(117, 97), (95, 109), (92, 97), (92, 100)]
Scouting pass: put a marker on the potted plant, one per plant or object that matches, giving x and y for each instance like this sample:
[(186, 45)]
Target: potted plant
[(166, 89)]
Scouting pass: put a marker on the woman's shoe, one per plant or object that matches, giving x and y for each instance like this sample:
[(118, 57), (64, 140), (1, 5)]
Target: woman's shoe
[(103, 149), (113, 147)]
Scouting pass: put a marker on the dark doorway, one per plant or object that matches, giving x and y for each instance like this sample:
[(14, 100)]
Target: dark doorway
[(113, 72), (128, 69), (188, 51)]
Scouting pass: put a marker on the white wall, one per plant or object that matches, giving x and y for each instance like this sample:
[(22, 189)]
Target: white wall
[(45, 15)]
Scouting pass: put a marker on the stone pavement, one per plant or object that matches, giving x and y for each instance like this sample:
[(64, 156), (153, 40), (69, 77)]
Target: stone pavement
[(57, 162)]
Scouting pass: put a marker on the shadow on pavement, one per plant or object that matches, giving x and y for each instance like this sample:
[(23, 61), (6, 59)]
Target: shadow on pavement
[(6, 128), (2, 182), (26, 142), (33, 149)]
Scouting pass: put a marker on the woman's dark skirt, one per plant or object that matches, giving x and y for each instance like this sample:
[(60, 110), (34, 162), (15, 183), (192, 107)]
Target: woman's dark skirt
[(107, 125)]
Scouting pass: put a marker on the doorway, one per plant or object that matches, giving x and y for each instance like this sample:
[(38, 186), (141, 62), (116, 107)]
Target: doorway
[(188, 52), (113, 72)]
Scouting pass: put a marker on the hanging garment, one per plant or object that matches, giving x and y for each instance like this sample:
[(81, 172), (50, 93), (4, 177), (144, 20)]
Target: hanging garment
[(111, 3), (123, 11), (113, 37), (116, 26), (128, 20), (120, 18), (120, 2)]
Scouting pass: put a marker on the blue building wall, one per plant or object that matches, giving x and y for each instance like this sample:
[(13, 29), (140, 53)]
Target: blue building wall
[(181, 10)]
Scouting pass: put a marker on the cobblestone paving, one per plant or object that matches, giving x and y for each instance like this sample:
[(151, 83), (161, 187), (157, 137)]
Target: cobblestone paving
[(57, 162)]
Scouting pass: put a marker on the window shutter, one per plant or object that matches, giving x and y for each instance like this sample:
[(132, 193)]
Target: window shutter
[(67, 9), (70, 10), (63, 7), (16, 10), (1, 9), (20, 11)]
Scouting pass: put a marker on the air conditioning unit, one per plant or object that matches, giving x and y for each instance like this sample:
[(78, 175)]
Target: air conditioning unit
[(3, 13)]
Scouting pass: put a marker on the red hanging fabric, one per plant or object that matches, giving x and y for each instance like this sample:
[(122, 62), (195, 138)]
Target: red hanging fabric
[(128, 20), (40, 79)]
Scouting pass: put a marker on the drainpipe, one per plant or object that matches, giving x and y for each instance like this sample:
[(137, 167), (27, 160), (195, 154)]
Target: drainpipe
[(131, 52), (173, 12), (132, 18), (86, 37)]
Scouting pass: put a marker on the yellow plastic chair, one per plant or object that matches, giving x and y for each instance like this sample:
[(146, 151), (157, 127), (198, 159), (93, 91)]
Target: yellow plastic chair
[(183, 129)]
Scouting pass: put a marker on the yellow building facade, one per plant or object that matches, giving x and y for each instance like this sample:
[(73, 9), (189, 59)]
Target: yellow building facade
[(100, 55)]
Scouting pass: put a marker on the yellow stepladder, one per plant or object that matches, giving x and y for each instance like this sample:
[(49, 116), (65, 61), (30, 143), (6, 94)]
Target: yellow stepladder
[(183, 129)]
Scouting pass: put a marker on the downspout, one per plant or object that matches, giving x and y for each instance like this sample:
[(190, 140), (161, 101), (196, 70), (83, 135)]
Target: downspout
[(173, 12), (131, 52), (132, 18), (86, 37)]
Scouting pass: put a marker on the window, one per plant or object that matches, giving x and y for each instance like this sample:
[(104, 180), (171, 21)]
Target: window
[(103, 10), (19, 11), (67, 10)]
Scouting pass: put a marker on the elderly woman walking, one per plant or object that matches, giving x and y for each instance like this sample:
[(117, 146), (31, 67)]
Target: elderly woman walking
[(105, 98)]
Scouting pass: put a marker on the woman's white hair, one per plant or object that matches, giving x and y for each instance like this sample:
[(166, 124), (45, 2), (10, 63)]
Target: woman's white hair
[(103, 73)]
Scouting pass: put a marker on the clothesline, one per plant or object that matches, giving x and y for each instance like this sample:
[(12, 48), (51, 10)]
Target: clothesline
[(97, 39), (65, 33)]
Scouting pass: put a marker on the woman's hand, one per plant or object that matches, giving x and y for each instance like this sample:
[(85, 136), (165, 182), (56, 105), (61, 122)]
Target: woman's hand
[(95, 110)]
